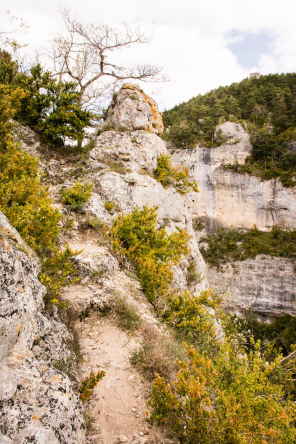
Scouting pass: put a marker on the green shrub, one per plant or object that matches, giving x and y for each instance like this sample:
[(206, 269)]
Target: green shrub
[(233, 398), (57, 272), (166, 174), (52, 108), (197, 224), (109, 206), (24, 200), (189, 315), (10, 99), (228, 245), (77, 195), (153, 252), (280, 331), (66, 366)]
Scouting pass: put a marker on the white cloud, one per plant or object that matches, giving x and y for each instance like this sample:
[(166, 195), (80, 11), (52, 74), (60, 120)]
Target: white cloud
[(190, 37)]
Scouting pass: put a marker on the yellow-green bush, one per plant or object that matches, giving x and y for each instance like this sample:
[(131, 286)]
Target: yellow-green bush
[(22, 197), (57, 272), (234, 398), (153, 251), (189, 315), (88, 385), (77, 195), (10, 99), (24, 200), (179, 177)]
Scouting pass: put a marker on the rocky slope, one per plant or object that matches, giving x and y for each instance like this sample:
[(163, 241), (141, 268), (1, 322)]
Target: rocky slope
[(37, 401), (228, 199), (41, 404)]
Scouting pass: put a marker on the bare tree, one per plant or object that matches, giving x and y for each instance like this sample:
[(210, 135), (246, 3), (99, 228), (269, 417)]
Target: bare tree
[(84, 55)]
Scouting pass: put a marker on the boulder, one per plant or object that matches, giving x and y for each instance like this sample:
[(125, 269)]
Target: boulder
[(132, 109)]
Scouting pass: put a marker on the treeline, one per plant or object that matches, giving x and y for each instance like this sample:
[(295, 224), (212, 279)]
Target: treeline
[(268, 108), (49, 106)]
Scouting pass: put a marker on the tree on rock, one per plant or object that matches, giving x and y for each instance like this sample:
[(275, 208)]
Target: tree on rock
[(84, 56)]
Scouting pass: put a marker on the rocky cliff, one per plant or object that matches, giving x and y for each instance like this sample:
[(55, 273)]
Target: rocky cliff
[(228, 199), (121, 167), (37, 401), (234, 200)]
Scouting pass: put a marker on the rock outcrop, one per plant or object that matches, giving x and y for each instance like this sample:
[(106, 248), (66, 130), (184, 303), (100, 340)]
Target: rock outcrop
[(132, 109), (234, 200), (265, 285), (37, 401), (134, 186)]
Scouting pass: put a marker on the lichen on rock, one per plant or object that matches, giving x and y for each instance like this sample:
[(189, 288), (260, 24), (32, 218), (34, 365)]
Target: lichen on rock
[(37, 401)]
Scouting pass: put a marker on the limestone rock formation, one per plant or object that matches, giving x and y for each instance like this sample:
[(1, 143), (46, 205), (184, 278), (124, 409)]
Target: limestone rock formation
[(230, 199), (125, 177), (132, 109), (37, 401), (265, 285)]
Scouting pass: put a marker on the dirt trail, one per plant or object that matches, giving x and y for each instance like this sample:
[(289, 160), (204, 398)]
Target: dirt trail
[(118, 404), (117, 407)]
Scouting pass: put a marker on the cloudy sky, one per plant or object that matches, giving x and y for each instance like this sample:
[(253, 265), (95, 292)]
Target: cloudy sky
[(201, 44)]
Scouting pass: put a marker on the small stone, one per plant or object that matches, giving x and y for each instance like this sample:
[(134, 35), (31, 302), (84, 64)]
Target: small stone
[(122, 438), (141, 433), (137, 416), (134, 410)]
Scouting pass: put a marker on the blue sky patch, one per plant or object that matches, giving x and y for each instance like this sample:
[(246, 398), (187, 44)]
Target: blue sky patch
[(249, 47)]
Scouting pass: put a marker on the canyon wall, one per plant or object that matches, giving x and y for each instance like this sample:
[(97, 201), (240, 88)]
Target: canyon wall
[(228, 199)]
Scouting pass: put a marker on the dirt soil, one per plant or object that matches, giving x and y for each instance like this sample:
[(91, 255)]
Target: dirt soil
[(116, 411)]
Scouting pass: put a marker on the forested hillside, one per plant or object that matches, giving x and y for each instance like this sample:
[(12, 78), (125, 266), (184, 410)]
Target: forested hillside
[(266, 106)]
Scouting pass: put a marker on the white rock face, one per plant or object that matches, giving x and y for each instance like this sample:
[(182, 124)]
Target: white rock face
[(229, 199), (37, 401), (138, 151), (134, 110), (265, 284)]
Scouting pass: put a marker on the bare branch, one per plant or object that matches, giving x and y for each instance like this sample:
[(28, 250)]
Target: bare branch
[(289, 357), (83, 55)]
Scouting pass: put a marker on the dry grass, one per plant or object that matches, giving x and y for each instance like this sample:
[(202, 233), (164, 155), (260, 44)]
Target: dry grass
[(158, 354)]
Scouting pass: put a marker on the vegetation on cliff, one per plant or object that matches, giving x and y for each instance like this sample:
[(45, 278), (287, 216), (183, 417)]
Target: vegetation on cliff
[(179, 177), (228, 389), (230, 244), (266, 106), (51, 108), (22, 197)]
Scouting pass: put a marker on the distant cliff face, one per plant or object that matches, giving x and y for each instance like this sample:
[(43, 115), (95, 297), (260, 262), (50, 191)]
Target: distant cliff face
[(266, 285), (234, 200)]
